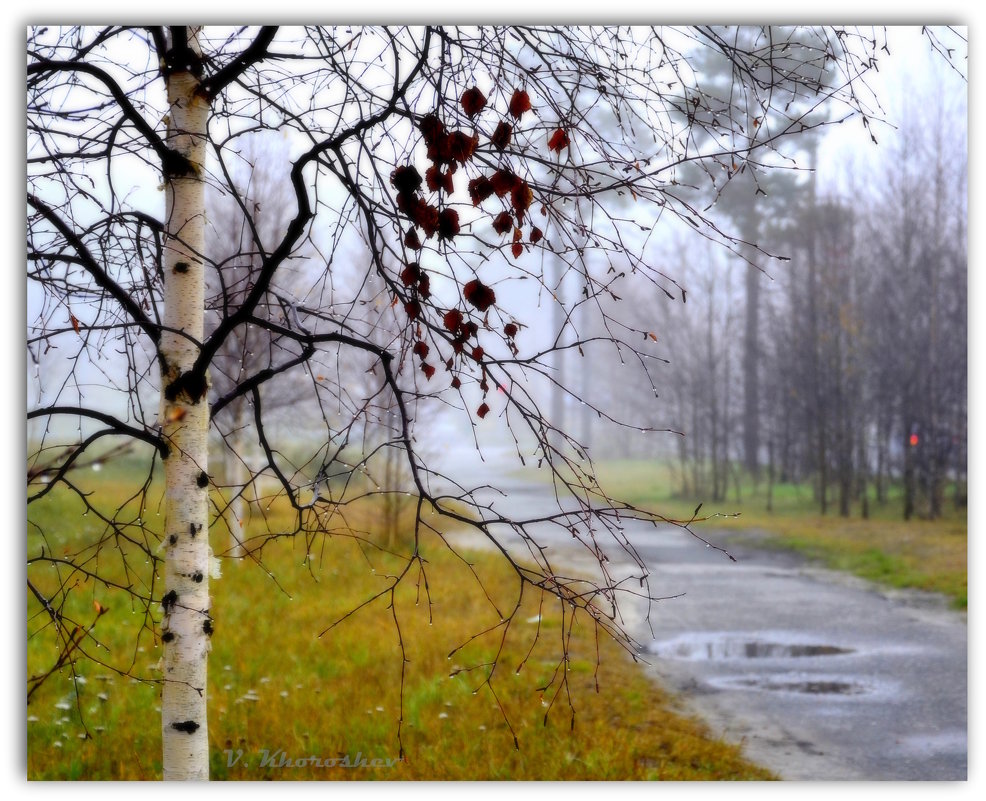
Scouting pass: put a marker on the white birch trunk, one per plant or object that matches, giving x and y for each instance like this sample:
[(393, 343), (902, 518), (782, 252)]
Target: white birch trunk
[(187, 627)]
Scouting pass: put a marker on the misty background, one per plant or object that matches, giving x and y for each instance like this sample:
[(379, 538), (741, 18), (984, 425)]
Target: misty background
[(826, 346)]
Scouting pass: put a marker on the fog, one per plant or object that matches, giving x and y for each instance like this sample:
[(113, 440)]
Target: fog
[(855, 248)]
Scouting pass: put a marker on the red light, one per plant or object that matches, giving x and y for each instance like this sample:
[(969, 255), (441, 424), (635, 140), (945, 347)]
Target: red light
[(914, 440)]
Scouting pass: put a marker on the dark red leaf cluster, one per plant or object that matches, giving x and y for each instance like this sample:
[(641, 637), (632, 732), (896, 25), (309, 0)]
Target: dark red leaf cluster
[(446, 147), (536, 235), (483, 410), (411, 240)]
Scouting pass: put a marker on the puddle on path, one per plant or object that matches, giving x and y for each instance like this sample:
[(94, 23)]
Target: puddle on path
[(714, 647), (804, 685)]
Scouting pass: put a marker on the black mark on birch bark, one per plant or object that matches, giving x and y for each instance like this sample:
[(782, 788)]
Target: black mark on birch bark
[(192, 383), (187, 726), (168, 601)]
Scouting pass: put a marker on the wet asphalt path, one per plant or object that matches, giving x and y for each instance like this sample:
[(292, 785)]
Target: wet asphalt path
[(819, 675)]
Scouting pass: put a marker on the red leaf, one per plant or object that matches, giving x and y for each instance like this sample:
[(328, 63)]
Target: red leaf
[(425, 217), (501, 136), (461, 146), (411, 240), (75, 322), (473, 101), (483, 410), (436, 179), (456, 383), (424, 285), (519, 103), (536, 235), (431, 128), (479, 295), (504, 181), (502, 222), (520, 199), (510, 329), (413, 309), (480, 189), (406, 180), (411, 274), (477, 353), (448, 223), (558, 140), (452, 320), (516, 249), (428, 370), (421, 349)]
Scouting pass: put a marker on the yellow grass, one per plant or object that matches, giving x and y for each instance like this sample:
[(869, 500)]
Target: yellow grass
[(280, 692)]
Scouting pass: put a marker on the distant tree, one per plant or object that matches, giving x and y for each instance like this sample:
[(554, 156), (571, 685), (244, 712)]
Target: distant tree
[(459, 158)]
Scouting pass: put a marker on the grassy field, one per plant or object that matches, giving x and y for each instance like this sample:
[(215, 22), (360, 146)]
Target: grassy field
[(923, 554), (279, 694)]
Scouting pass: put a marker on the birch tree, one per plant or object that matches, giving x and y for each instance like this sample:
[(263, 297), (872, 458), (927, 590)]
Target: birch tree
[(461, 161)]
